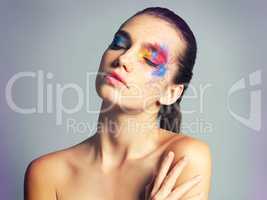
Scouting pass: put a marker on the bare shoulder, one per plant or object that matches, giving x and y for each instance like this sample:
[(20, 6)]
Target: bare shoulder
[(198, 154), (44, 173), (49, 164), (184, 145), (190, 146)]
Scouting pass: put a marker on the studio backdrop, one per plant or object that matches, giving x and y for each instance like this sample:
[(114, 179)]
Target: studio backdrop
[(50, 52)]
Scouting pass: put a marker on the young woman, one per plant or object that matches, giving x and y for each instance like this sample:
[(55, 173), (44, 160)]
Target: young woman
[(142, 77)]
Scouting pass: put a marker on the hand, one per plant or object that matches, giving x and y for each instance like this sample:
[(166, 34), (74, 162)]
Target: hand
[(162, 183)]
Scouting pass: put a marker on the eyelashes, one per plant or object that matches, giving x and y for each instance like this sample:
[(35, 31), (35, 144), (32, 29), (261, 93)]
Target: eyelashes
[(150, 62)]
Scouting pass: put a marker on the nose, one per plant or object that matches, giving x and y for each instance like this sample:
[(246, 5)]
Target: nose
[(124, 61)]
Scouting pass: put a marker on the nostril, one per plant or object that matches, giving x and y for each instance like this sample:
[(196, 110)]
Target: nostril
[(115, 63), (126, 69), (121, 62)]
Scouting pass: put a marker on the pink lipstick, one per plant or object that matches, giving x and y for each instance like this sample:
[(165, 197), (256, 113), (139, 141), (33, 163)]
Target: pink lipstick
[(115, 79)]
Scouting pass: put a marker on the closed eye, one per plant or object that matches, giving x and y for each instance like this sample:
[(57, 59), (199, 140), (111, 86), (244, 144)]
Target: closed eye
[(150, 62), (119, 42)]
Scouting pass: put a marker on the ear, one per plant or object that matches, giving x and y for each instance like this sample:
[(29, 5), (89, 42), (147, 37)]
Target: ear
[(171, 94)]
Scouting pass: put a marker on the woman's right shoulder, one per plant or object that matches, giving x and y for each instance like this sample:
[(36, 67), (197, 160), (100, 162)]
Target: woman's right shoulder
[(50, 167), (53, 166), (43, 174), (46, 173), (47, 163)]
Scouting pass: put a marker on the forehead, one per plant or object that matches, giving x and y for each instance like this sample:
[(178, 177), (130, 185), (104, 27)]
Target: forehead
[(150, 29)]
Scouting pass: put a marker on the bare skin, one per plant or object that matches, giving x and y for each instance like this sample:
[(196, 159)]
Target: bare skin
[(120, 163), (74, 174)]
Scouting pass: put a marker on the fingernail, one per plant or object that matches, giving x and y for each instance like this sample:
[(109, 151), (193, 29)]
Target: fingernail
[(170, 154)]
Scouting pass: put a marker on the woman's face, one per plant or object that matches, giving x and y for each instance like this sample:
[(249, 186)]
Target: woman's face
[(144, 53)]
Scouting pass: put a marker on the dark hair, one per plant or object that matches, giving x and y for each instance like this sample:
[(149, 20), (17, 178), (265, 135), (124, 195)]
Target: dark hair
[(170, 115)]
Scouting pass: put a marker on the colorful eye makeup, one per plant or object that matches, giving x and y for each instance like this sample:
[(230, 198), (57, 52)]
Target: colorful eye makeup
[(121, 41), (118, 43), (154, 55), (157, 56)]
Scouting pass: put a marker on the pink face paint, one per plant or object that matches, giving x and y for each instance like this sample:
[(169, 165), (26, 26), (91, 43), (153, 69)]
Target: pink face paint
[(157, 56)]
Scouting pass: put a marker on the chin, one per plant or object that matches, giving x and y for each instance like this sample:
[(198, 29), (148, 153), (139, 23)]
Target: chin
[(119, 97)]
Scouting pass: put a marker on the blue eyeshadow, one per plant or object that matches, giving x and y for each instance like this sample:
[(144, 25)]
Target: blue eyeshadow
[(160, 71)]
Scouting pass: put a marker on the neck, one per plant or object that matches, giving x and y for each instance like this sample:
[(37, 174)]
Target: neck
[(123, 136)]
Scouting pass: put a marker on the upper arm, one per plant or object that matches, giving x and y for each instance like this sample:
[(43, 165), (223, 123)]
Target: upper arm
[(199, 163), (38, 181)]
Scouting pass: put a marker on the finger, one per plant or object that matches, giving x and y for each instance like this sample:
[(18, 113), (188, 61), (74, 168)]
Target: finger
[(149, 186), (179, 191), (171, 178), (162, 172)]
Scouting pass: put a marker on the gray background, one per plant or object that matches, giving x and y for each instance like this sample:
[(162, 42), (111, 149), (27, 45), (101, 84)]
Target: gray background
[(67, 38)]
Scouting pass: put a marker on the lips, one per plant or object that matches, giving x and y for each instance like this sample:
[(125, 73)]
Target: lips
[(118, 77)]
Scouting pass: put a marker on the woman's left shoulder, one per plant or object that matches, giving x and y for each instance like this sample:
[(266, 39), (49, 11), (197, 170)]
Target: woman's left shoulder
[(191, 147), (199, 161)]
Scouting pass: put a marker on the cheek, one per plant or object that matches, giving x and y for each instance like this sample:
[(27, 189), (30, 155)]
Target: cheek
[(154, 85), (107, 58), (152, 92), (156, 75), (151, 73), (160, 72)]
